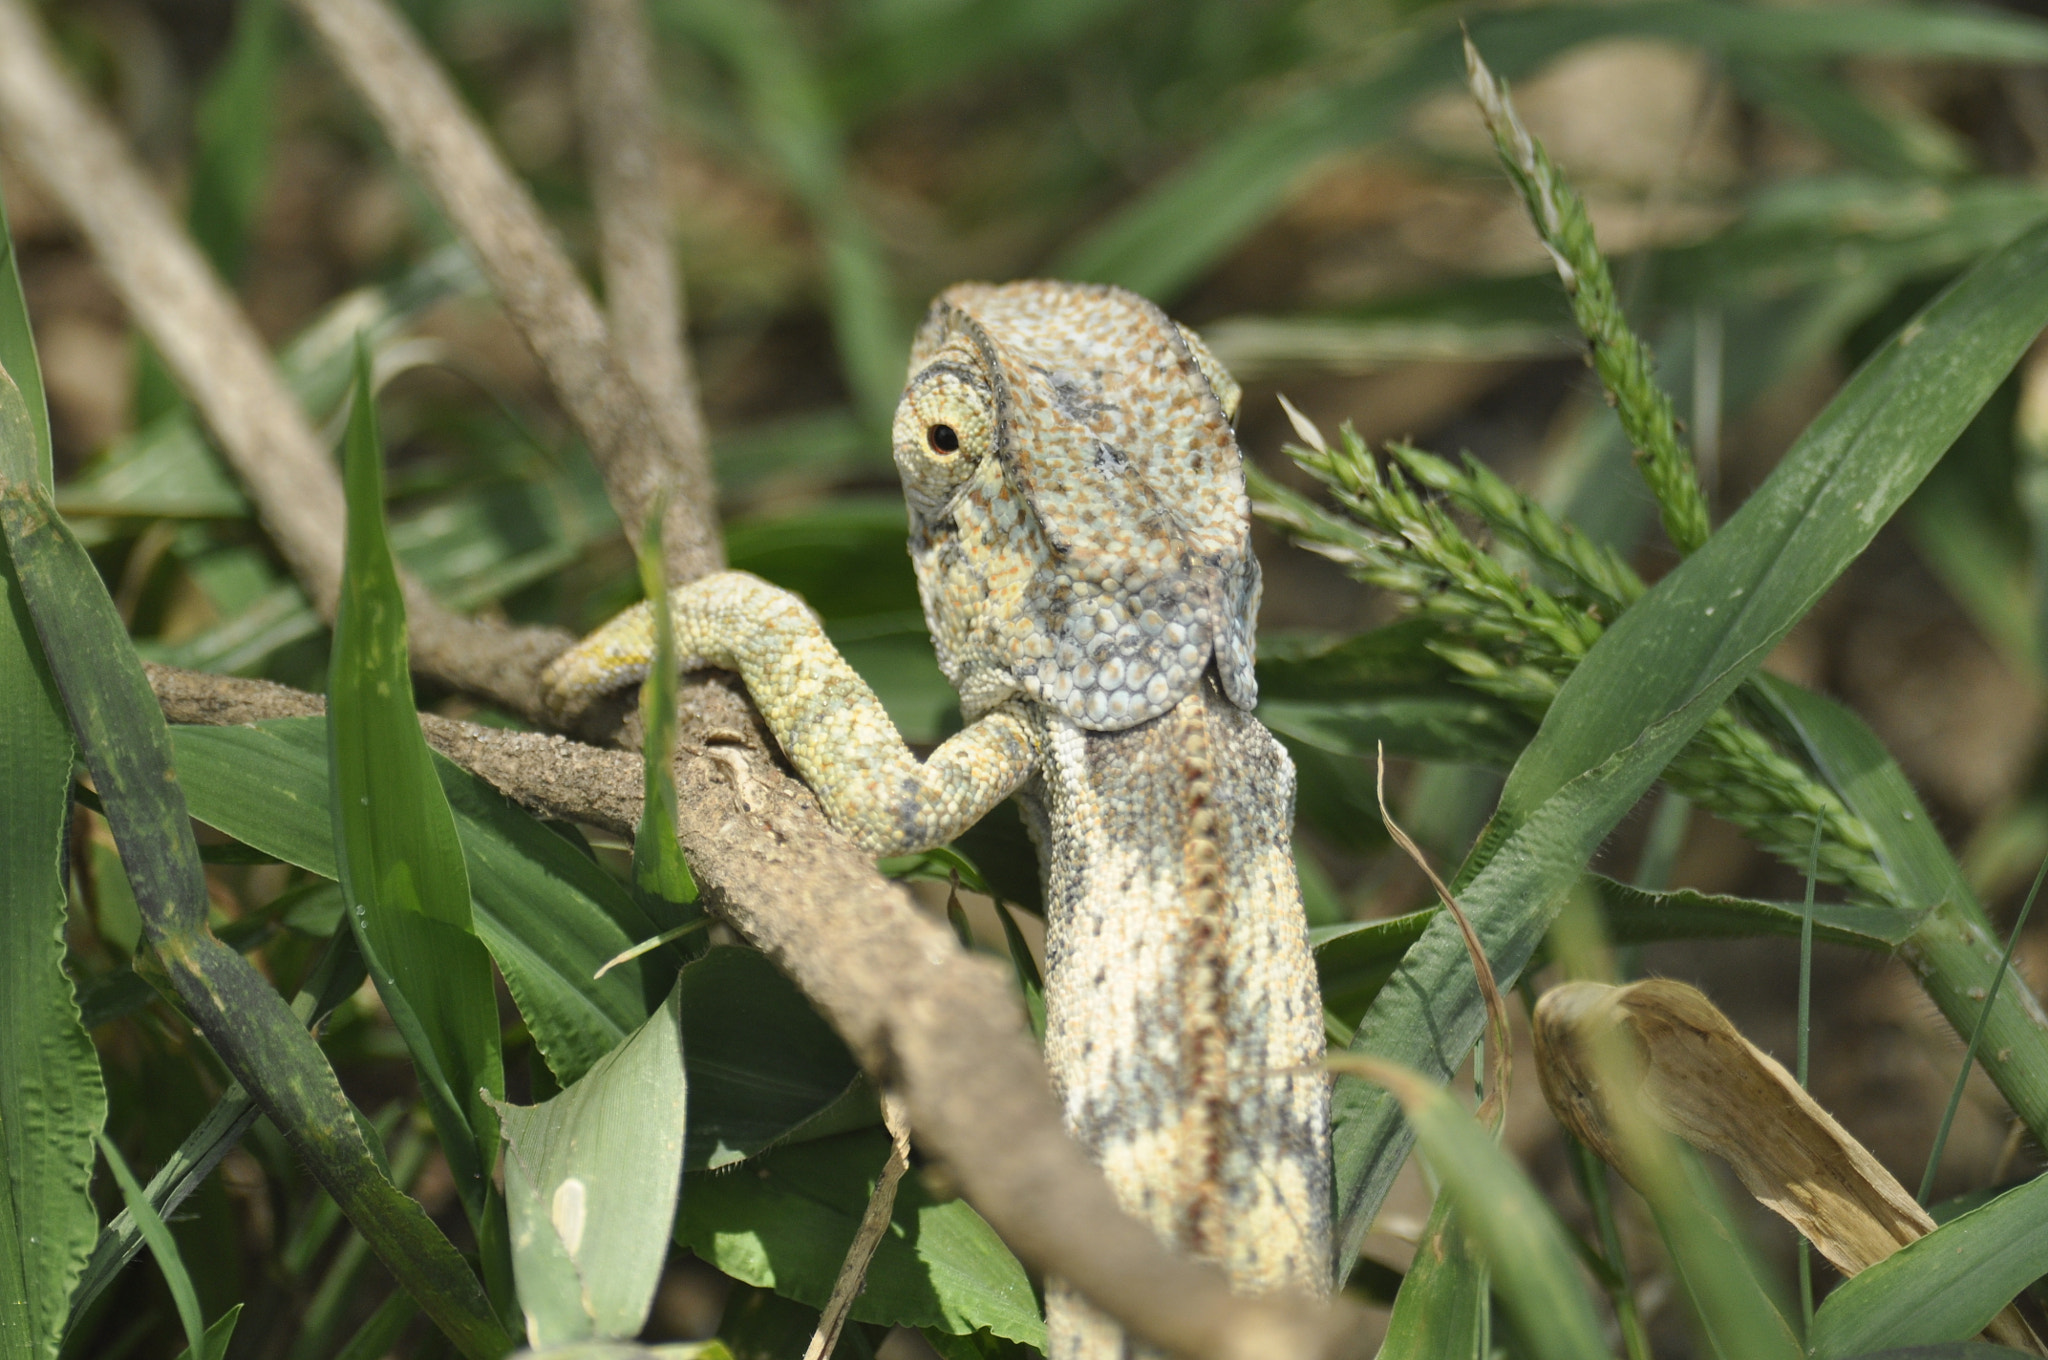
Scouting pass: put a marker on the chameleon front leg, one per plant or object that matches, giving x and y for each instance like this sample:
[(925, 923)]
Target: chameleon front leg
[(831, 725)]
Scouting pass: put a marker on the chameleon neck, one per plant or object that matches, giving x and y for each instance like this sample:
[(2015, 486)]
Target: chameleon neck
[(1183, 1028)]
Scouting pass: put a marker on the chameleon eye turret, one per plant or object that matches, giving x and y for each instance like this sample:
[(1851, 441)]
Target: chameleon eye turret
[(944, 427)]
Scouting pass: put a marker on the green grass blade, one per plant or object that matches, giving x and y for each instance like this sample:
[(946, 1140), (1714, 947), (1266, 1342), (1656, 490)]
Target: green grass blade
[(214, 1344), (1945, 1287), (398, 857), (658, 867), (333, 980), (161, 1245), (174, 1182), (1438, 1311), (52, 1099), (1673, 659), (18, 357), (1720, 1273), (1533, 1266), (1955, 1094), (264, 1046), (1951, 947), (590, 1183), (234, 126)]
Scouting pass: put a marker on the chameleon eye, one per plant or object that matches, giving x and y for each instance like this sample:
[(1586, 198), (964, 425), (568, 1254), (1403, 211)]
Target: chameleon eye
[(943, 439)]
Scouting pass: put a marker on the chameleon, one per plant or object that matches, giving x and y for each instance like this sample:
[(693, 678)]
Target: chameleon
[(1081, 538)]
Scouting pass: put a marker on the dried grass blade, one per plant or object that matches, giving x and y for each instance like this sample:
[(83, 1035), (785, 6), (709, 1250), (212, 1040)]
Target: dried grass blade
[(1701, 1080), (1493, 1108)]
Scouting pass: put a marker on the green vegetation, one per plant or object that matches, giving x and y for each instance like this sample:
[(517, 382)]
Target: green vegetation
[(260, 965)]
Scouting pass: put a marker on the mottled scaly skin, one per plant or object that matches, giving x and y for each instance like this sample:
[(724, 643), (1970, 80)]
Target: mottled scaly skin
[(1079, 527)]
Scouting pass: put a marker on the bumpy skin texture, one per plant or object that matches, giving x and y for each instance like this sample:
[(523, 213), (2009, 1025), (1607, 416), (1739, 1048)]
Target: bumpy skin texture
[(1080, 532)]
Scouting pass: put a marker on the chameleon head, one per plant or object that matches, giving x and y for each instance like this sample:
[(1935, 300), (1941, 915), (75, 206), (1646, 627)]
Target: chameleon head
[(1077, 508)]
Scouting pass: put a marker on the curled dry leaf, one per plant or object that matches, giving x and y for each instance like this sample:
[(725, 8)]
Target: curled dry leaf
[(1698, 1078)]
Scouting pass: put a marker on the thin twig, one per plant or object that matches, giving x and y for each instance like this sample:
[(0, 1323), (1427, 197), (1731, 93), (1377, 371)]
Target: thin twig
[(853, 1271), (221, 362), (1493, 1106), (640, 446), (173, 294), (643, 290), (922, 1016)]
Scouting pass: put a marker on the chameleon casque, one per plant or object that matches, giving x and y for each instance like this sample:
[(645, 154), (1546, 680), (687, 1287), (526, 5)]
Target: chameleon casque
[(1081, 537)]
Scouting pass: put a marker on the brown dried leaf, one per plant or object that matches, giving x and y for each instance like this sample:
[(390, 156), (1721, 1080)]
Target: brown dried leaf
[(1700, 1079)]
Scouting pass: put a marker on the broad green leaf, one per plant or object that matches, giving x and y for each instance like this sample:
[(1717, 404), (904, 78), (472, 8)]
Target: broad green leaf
[(590, 1186), (1347, 695), (127, 749), (1945, 1287), (18, 361), (399, 861), (1632, 916), (1509, 1226), (549, 916), (847, 558), (1442, 1301), (787, 1225), (1674, 658), (761, 1061), (52, 1100), (1179, 228), (486, 542), (762, 1064)]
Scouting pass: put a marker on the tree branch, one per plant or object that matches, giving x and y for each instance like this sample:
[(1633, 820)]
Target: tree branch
[(640, 446), (619, 106), (927, 1020)]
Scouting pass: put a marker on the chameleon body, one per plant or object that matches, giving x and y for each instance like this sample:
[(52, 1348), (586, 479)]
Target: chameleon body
[(1079, 527)]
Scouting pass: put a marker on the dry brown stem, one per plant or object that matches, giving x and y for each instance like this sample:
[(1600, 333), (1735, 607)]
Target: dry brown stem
[(220, 361), (928, 1021), (853, 1273), (1494, 1107), (640, 446), (620, 111), (216, 355)]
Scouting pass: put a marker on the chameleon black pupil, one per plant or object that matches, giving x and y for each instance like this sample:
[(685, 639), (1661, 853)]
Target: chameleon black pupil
[(943, 438)]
